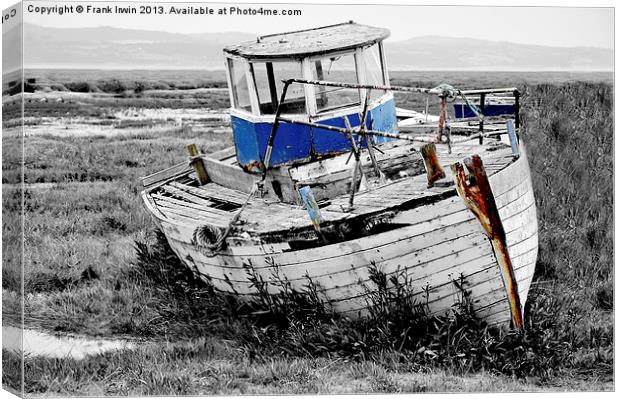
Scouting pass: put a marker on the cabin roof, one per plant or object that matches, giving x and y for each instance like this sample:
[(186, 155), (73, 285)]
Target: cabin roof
[(310, 42)]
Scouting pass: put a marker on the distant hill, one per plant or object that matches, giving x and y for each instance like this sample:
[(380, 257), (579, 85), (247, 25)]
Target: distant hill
[(107, 47), (437, 52)]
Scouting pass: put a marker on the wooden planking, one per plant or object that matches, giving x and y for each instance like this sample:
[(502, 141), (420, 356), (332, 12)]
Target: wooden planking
[(517, 209), (187, 196), (423, 273), (523, 274), (452, 200), (365, 245), (227, 175), (486, 289), (503, 181), (167, 206), (443, 298), (189, 216), (417, 214), (421, 264), (200, 209), (496, 314), (168, 173), (185, 204), (323, 168), (517, 206), (273, 217), (524, 280), (477, 279), (366, 202), (416, 250), (519, 189), (213, 192), (307, 42)]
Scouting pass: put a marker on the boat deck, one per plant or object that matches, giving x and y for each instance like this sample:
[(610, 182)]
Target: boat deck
[(180, 200)]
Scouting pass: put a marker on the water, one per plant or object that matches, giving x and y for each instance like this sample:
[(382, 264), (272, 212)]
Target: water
[(41, 344)]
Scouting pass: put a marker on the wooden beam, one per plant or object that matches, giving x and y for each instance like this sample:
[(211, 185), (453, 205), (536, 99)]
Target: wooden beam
[(481, 125), (196, 161), (512, 135), (251, 82), (177, 170), (478, 197), (306, 70)]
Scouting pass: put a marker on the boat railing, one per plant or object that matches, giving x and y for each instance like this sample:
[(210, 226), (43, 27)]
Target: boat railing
[(362, 131), (443, 92)]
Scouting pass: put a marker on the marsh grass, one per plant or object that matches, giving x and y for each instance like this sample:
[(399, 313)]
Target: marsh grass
[(93, 267)]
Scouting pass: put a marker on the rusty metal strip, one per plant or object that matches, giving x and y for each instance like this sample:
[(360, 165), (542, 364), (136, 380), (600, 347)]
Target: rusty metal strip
[(476, 192)]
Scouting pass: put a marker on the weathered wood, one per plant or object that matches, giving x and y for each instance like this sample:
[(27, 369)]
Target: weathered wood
[(213, 192), (482, 107), (356, 166), (517, 96), (512, 136), (443, 238), (229, 175), (190, 198), (309, 42), (434, 170), (196, 161), (193, 207), (177, 170), (479, 199), (311, 206), (170, 209)]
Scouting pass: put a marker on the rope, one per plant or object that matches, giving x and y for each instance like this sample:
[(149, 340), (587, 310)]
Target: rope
[(450, 92), (206, 231)]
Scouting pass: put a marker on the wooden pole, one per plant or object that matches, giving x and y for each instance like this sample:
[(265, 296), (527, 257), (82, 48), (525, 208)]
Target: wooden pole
[(442, 119), (478, 197), (307, 197), (357, 166), (481, 125), (196, 161), (512, 135), (272, 135), (517, 109)]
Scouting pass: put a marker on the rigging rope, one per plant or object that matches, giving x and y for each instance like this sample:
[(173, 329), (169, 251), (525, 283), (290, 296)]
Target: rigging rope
[(450, 92)]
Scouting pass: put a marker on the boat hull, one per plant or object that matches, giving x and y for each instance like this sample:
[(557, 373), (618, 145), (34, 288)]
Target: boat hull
[(441, 249)]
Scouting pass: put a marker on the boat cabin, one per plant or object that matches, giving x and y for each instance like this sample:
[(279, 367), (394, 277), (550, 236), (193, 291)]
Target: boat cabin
[(348, 52)]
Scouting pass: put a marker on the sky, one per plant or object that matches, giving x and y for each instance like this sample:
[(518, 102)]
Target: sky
[(552, 26)]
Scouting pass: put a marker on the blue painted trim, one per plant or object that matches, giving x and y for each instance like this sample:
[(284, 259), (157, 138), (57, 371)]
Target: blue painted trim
[(463, 111), (298, 142)]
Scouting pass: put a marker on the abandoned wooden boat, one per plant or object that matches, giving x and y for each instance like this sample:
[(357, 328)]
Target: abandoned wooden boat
[(328, 178)]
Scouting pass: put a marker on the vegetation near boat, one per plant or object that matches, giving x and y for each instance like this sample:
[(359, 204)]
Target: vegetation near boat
[(328, 180)]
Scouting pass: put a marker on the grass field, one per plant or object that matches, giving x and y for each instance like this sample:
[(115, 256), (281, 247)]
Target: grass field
[(94, 266)]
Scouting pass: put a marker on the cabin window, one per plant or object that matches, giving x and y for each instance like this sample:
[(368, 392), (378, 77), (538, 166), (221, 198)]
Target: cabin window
[(241, 93), (373, 72), (337, 69), (268, 78)]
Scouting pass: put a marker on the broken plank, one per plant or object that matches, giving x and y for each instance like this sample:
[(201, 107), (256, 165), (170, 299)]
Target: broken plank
[(187, 196), (213, 192), (191, 206), (168, 173), (167, 208)]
